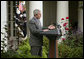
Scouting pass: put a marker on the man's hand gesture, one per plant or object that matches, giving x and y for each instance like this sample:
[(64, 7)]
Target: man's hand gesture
[(51, 27)]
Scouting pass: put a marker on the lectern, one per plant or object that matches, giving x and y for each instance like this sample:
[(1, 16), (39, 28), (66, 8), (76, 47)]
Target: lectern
[(53, 36)]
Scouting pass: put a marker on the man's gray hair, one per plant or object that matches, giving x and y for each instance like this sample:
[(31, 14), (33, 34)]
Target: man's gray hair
[(36, 11)]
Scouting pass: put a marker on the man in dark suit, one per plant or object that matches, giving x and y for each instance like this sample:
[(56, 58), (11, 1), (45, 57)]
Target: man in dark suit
[(36, 39)]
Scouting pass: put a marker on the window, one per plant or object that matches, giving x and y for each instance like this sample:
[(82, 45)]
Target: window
[(16, 16)]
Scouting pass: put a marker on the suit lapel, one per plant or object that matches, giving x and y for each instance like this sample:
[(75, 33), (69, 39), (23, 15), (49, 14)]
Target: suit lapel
[(37, 24)]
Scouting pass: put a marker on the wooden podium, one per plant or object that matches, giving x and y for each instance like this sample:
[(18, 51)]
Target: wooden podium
[(53, 36), (53, 49)]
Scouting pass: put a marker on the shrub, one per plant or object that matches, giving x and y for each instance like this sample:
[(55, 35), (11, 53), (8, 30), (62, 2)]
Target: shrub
[(72, 47), (44, 52), (76, 52), (64, 50), (45, 47), (24, 48), (10, 54)]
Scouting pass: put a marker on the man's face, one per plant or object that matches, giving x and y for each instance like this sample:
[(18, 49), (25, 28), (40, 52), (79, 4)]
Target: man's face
[(38, 16)]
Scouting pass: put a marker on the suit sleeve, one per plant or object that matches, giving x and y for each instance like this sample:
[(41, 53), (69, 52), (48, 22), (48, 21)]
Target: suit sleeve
[(33, 28)]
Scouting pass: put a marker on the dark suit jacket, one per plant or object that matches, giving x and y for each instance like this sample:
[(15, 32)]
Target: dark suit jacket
[(36, 33), (36, 39)]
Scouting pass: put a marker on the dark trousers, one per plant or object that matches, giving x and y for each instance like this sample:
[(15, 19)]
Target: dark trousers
[(36, 50)]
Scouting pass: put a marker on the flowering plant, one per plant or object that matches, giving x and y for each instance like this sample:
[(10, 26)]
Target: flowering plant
[(65, 26)]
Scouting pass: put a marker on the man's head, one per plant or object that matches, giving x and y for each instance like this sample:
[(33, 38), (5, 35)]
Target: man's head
[(37, 13)]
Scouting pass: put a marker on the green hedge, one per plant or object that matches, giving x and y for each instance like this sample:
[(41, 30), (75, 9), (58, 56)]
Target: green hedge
[(72, 47), (24, 51), (67, 52)]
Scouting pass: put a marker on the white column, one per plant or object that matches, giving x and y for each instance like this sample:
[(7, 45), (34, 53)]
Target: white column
[(62, 12), (3, 19), (80, 17), (11, 19), (36, 5)]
